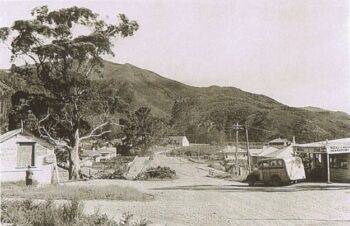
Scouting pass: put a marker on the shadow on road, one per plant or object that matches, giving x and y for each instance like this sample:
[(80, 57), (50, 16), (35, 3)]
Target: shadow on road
[(246, 188)]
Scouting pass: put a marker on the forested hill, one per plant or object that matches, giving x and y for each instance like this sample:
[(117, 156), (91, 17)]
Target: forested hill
[(206, 113)]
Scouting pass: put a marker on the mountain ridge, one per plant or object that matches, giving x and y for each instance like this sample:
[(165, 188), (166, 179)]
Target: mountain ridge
[(212, 110)]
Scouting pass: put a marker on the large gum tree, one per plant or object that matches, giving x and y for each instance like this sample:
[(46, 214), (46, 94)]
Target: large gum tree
[(57, 52)]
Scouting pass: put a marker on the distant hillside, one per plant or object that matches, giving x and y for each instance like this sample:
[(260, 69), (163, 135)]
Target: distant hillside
[(215, 109)]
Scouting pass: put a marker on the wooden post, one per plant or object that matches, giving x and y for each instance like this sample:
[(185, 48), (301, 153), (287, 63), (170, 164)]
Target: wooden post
[(57, 174), (328, 166)]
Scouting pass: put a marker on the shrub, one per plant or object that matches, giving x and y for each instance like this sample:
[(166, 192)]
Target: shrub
[(156, 173), (27, 212)]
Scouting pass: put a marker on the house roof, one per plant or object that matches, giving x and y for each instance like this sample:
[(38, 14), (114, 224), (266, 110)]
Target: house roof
[(177, 138), (12, 133), (9, 134), (280, 153), (278, 140), (255, 152)]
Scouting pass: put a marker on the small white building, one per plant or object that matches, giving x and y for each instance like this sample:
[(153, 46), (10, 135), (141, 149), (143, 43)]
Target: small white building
[(20, 149), (180, 141), (106, 153)]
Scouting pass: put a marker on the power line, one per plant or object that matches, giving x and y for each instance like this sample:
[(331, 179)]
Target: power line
[(251, 127)]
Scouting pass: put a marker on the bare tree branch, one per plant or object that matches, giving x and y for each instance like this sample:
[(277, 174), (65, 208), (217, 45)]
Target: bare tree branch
[(92, 133), (45, 134)]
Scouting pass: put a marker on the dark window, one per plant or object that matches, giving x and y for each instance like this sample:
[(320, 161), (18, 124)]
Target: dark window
[(339, 163), (25, 154)]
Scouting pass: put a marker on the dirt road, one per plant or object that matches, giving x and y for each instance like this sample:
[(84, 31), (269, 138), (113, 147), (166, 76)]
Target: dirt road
[(195, 199)]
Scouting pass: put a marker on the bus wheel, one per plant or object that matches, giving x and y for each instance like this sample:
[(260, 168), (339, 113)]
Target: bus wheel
[(276, 181)]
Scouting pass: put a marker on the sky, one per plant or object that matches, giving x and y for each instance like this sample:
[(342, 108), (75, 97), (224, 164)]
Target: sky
[(294, 51)]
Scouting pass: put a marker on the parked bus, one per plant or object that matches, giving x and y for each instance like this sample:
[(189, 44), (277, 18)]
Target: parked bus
[(277, 171)]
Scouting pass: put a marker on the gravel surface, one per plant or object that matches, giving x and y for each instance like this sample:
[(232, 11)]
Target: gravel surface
[(195, 199)]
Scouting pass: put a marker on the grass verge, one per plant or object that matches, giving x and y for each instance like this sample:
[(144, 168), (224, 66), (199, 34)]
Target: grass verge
[(68, 192), (28, 212)]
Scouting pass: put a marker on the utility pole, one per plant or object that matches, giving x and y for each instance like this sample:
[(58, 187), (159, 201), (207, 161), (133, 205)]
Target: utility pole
[(236, 127), (248, 154)]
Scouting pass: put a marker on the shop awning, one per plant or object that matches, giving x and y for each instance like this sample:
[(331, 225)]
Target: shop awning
[(337, 146)]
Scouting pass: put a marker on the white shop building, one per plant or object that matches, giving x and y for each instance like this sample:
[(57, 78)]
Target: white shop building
[(326, 160)]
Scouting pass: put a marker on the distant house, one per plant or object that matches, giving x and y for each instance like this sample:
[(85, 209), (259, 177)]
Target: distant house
[(180, 141), (106, 153), (88, 157), (229, 153), (101, 154), (279, 143), (20, 149)]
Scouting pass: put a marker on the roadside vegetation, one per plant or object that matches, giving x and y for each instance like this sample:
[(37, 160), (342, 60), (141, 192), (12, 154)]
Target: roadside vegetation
[(157, 173), (68, 192), (28, 212)]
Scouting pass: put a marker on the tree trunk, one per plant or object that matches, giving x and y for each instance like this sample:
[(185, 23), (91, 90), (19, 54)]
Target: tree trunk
[(75, 160)]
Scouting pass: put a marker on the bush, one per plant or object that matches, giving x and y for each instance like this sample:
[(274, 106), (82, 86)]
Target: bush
[(27, 212), (157, 173)]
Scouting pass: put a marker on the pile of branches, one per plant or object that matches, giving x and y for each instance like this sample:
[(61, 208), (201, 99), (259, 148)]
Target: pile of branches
[(115, 174), (154, 173)]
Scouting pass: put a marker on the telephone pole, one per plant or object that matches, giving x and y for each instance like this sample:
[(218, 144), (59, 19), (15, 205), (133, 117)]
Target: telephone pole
[(236, 127), (248, 154)]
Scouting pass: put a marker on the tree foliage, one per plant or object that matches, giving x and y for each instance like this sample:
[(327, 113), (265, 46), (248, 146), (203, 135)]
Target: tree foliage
[(49, 53), (142, 130)]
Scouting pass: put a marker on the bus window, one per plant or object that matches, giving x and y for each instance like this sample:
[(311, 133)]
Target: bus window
[(265, 164), (273, 163), (280, 162)]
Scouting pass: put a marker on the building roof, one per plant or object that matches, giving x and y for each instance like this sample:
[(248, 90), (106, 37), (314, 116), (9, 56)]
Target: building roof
[(106, 150), (9, 134), (255, 152), (90, 153), (232, 149), (267, 150), (278, 140), (326, 142), (13, 133), (281, 153), (177, 137)]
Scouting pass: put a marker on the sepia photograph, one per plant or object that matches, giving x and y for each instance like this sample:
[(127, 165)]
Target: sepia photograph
[(174, 112)]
